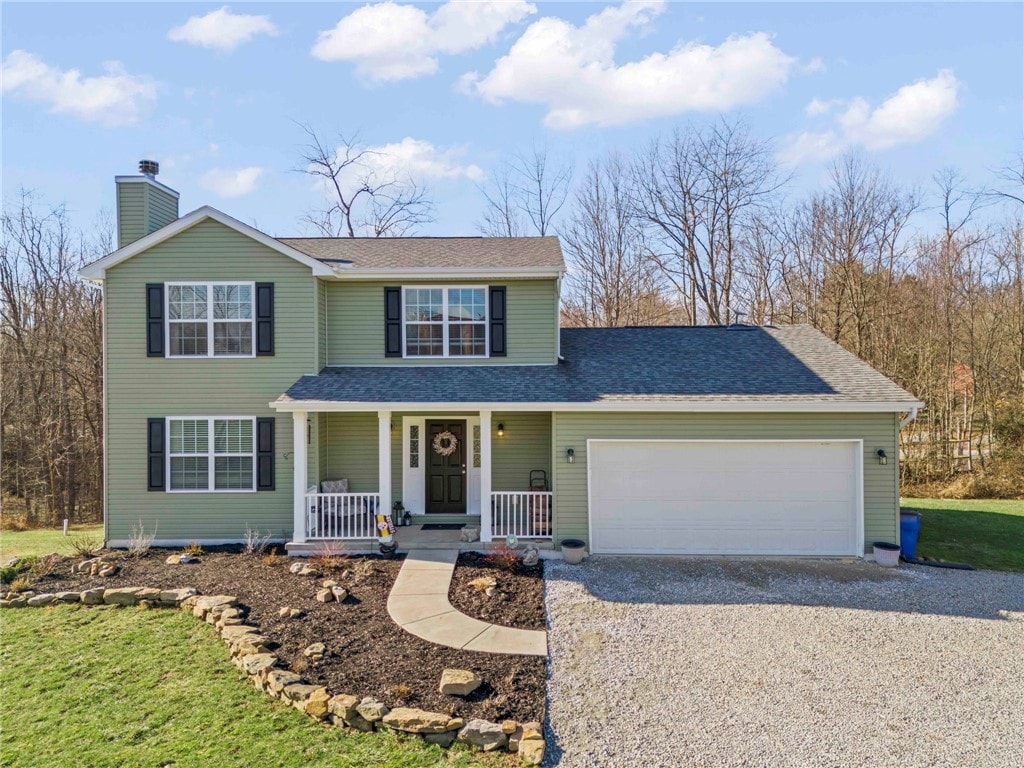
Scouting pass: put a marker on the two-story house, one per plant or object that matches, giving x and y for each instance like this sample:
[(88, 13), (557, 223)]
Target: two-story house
[(299, 385)]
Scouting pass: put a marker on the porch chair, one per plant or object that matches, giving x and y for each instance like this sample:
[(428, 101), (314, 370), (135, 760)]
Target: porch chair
[(541, 521), (352, 514)]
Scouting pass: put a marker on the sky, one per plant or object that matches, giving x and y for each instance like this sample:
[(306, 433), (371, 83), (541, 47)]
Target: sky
[(446, 93)]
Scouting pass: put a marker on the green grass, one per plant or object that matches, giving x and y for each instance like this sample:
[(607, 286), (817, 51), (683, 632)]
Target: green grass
[(986, 533), (43, 541), (116, 687)]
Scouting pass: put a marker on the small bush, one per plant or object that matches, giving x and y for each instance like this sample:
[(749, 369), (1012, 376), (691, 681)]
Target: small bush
[(402, 692), (193, 548), (14, 523), (272, 558), (84, 545), (45, 565), (140, 542), (502, 556), (327, 560), (299, 666), (255, 542), (8, 573), (21, 583), (361, 567)]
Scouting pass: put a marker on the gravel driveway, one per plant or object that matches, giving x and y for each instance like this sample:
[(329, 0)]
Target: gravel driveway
[(716, 662)]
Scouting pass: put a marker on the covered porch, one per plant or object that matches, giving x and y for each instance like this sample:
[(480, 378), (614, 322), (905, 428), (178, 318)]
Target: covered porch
[(478, 468)]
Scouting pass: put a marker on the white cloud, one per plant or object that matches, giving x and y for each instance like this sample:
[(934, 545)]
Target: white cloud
[(912, 113), (817, 107), (408, 159), (222, 29), (814, 66), (572, 71), (419, 160), (115, 98), (389, 41), (231, 182)]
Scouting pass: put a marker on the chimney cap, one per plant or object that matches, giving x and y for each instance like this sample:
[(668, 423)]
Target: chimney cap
[(149, 167)]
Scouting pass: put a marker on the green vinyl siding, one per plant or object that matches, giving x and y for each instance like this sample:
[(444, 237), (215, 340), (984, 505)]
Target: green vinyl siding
[(139, 387), (142, 208), (526, 446), (877, 430), (355, 323), (349, 450), (321, 324)]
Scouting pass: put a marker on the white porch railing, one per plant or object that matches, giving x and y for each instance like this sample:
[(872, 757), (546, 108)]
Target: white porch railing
[(526, 514), (341, 516)]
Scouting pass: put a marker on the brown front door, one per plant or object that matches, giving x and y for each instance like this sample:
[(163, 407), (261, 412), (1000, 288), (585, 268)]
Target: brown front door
[(446, 475)]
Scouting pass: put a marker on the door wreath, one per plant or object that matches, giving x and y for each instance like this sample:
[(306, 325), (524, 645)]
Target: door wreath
[(445, 443)]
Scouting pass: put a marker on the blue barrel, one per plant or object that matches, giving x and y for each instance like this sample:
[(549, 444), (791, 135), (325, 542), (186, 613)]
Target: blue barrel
[(910, 527)]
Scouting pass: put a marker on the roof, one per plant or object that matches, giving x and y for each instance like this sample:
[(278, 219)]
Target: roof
[(389, 253), (97, 270), (700, 368)]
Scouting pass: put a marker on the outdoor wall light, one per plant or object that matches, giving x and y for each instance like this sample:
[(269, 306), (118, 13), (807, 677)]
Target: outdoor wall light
[(570, 455), (501, 429), (882, 458)]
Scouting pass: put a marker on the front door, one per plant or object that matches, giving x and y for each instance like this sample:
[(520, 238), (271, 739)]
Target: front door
[(446, 467)]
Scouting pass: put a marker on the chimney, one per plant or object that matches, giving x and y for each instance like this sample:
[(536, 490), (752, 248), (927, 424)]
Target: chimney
[(144, 205)]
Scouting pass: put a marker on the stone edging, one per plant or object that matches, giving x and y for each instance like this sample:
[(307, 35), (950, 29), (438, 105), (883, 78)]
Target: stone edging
[(250, 652)]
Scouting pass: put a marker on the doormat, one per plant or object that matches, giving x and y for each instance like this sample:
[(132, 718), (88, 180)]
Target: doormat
[(443, 526)]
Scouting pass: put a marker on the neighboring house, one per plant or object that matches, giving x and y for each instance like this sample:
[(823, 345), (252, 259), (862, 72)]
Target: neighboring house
[(243, 372)]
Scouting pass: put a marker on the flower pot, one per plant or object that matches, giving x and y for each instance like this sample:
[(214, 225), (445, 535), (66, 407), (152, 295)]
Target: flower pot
[(886, 555), (573, 550)]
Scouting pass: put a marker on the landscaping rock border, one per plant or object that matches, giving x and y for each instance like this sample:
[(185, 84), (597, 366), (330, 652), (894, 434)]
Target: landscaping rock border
[(252, 653)]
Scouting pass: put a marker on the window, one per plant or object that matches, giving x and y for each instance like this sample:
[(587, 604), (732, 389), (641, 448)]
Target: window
[(211, 454), (414, 446), (210, 319), (445, 322)]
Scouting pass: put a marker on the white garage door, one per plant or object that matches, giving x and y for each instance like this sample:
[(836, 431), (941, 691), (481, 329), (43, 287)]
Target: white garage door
[(729, 497)]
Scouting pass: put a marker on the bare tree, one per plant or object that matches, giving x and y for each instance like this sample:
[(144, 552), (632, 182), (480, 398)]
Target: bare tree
[(698, 193), (364, 197), (611, 281), (525, 196)]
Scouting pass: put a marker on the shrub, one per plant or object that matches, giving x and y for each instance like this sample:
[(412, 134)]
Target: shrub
[(272, 558), (21, 583), (45, 565), (327, 559), (8, 573), (193, 548), (255, 542), (84, 545), (502, 556), (139, 542)]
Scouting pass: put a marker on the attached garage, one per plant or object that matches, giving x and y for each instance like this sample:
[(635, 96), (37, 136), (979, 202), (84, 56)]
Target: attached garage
[(728, 497)]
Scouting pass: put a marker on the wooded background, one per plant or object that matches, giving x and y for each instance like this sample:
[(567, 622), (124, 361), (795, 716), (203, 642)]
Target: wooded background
[(698, 227)]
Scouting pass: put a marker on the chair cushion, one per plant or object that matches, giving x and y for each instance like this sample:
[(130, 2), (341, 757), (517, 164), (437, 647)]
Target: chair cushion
[(334, 486)]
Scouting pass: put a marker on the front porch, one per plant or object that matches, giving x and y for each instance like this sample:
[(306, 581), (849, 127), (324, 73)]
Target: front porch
[(474, 469)]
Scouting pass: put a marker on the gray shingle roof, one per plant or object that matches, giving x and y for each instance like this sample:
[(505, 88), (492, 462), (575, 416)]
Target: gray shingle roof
[(433, 252), (633, 365)]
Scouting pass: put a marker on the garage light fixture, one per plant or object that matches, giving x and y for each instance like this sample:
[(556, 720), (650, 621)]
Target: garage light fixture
[(570, 455), (501, 429), (882, 458)]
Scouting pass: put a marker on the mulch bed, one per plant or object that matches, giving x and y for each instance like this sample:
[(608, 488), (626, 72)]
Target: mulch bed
[(367, 653), (519, 592)]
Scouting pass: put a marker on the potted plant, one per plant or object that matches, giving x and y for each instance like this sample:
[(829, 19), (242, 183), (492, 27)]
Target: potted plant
[(886, 555), (573, 550)]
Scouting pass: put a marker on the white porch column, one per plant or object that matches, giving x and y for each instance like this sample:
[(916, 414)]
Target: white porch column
[(301, 456), (485, 476), (384, 460)]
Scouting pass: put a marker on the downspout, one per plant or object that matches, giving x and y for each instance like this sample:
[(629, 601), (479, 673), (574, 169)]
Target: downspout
[(909, 417)]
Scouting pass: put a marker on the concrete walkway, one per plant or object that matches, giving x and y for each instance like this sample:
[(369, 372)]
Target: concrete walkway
[(418, 603)]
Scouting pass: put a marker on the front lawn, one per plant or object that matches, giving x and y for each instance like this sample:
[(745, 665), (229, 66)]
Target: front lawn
[(42, 541), (115, 687), (986, 533)]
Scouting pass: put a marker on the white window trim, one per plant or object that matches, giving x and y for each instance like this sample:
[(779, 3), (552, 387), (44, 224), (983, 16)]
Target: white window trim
[(445, 322), (209, 320), (211, 454)]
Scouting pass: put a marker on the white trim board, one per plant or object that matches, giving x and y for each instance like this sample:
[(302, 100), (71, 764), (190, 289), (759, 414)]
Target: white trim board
[(97, 270), (606, 406), (857, 443)]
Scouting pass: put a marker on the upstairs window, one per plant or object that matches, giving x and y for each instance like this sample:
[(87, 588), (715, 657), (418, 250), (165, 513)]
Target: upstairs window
[(445, 322), (210, 319), (224, 463)]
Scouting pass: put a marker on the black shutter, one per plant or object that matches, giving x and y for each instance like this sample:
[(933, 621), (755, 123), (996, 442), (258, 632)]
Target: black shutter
[(265, 453), (154, 319), (155, 436), (392, 322), (499, 347), (265, 319)]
